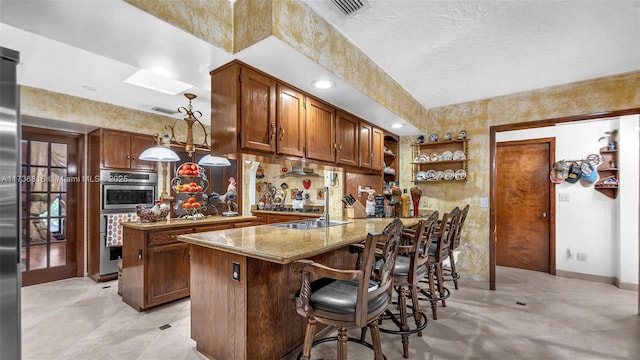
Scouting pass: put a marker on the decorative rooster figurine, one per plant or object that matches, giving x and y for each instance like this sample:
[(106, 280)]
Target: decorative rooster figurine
[(230, 196)]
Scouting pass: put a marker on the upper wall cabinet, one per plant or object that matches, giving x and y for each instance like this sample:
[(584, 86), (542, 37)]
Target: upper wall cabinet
[(251, 112), (320, 125), (347, 139), (257, 111), (120, 150), (371, 147), (290, 122)]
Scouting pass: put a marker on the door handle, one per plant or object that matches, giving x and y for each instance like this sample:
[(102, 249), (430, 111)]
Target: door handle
[(544, 214)]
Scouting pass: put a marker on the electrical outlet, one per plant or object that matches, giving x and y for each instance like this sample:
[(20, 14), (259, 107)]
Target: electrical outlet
[(235, 274), (581, 256), (484, 202), (563, 197)]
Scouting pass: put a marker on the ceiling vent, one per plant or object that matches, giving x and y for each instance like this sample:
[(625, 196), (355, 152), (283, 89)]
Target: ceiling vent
[(350, 7), (164, 110)]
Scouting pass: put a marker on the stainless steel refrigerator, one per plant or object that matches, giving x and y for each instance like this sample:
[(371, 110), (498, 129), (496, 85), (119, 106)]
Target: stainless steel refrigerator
[(10, 273)]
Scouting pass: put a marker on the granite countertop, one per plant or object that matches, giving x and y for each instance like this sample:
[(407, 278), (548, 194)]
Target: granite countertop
[(178, 223), (283, 246), (288, 213)]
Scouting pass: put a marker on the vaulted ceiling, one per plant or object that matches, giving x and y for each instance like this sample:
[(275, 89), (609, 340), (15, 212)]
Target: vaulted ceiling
[(440, 52)]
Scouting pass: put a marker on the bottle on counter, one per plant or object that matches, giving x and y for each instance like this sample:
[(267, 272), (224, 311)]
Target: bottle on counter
[(404, 204)]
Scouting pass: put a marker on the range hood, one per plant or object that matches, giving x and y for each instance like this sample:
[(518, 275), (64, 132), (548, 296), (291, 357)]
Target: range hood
[(298, 171)]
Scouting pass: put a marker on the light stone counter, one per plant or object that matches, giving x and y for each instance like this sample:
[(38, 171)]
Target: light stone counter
[(283, 246), (180, 223)]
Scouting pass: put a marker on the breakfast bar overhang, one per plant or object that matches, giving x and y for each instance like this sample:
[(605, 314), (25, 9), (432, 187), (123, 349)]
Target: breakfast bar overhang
[(242, 287)]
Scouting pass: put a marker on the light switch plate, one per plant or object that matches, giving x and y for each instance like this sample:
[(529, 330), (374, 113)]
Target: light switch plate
[(235, 274), (484, 202), (563, 197)]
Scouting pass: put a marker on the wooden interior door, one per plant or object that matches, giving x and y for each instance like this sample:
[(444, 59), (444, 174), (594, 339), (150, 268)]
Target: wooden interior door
[(524, 214), (50, 199)]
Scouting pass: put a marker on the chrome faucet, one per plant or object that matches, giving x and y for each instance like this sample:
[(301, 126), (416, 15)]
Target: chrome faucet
[(325, 216)]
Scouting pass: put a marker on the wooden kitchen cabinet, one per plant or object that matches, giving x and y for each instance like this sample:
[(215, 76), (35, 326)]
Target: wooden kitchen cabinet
[(257, 111), (155, 267), (120, 150), (347, 139), (155, 264), (290, 121), (319, 129), (261, 115), (371, 147)]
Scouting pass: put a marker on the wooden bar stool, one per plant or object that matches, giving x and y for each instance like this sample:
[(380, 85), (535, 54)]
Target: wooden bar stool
[(410, 268), (349, 298), (437, 253), (450, 273)]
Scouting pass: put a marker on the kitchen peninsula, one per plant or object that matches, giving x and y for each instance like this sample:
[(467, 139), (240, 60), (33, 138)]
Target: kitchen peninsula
[(242, 285), (155, 265)]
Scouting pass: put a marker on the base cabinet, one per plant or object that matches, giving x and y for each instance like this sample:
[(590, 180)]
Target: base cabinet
[(156, 265)]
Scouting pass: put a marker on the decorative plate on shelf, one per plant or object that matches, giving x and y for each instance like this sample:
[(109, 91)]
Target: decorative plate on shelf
[(431, 175), (423, 158), (439, 175), (434, 157), (460, 174), (448, 174), (462, 134), (421, 176), (447, 155), (459, 155), (447, 136)]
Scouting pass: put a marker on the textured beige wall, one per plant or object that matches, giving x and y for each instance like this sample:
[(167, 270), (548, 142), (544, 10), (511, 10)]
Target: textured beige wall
[(56, 106), (617, 92), (298, 26), (210, 21)]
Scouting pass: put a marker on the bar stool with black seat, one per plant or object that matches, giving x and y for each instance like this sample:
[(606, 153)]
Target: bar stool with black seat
[(349, 298), (410, 268), (450, 272), (438, 252)]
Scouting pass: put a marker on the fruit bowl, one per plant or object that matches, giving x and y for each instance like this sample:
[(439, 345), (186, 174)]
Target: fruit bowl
[(191, 186), (189, 169)]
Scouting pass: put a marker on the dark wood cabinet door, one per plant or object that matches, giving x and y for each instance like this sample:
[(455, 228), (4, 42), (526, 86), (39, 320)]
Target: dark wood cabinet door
[(320, 124), (257, 111), (140, 143), (290, 122), (377, 149), (115, 150), (347, 139), (167, 272), (365, 145)]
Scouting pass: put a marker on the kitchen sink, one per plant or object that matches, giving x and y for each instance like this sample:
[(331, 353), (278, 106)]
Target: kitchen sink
[(309, 224)]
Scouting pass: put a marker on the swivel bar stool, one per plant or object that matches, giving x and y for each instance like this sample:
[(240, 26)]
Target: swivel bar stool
[(410, 268), (346, 298), (437, 253), (451, 274)]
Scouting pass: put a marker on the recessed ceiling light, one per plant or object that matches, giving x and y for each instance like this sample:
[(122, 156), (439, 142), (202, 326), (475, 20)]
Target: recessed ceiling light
[(323, 84), (149, 80), (397, 125)]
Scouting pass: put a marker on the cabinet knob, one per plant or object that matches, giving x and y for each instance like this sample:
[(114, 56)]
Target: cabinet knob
[(128, 156), (544, 214)]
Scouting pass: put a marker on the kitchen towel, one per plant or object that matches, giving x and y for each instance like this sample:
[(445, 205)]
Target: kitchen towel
[(114, 227)]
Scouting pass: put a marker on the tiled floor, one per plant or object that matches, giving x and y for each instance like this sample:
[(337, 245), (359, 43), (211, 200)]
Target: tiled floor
[(561, 319)]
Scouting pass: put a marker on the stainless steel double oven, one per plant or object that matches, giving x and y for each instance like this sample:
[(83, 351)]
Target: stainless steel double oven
[(120, 192)]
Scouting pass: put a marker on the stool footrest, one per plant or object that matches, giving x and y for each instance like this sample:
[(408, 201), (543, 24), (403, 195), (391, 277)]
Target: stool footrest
[(335, 338), (407, 332)]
